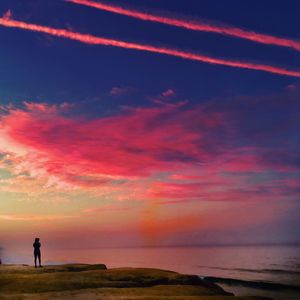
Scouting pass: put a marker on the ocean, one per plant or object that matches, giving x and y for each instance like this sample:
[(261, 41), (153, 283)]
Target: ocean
[(272, 271)]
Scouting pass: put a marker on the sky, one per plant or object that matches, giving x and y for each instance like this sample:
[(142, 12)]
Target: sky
[(149, 123)]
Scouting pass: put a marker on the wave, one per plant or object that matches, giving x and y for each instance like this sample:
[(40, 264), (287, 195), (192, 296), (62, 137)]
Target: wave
[(253, 284), (275, 271)]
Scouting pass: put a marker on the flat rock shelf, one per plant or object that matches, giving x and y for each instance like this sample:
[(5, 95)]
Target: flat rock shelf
[(89, 282)]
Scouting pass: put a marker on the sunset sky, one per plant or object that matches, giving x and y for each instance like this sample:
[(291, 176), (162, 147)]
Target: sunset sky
[(149, 123)]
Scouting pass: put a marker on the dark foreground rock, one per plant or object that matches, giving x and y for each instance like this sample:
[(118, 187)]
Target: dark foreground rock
[(80, 281), (263, 285)]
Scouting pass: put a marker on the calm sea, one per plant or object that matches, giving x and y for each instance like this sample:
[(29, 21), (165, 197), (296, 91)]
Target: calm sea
[(272, 271)]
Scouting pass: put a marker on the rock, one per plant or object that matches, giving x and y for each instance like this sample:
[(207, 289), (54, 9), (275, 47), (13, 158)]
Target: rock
[(82, 281)]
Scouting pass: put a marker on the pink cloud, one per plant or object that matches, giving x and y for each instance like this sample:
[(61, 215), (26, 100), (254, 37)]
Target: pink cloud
[(119, 91), (137, 142), (169, 93), (191, 150), (291, 87), (228, 189), (185, 177), (29, 218), (239, 160), (105, 208), (166, 97), (7, 15)]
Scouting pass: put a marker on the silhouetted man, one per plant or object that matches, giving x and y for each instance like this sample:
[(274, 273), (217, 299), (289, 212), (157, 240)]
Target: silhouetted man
[(37, 251)]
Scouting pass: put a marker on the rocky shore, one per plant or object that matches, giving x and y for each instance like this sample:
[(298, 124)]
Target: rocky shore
[(82, 281)]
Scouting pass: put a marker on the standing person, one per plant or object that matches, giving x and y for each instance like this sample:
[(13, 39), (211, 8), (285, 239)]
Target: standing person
[(37, 251)]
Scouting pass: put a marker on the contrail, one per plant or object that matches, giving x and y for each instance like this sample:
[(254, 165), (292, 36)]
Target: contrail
[(90, 39), (193, 25)]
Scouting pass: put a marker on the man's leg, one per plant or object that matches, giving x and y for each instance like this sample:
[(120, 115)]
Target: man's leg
[(39, 256)]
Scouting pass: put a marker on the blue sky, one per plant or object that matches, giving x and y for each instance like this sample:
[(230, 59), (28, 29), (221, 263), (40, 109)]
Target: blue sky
[(87, 130)]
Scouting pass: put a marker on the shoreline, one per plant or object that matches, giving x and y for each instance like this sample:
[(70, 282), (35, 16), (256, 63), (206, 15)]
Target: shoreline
[(95, 281), (252, 284)]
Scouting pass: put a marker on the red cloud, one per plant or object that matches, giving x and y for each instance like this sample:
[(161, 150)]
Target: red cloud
[(137, 142), (196, 144)]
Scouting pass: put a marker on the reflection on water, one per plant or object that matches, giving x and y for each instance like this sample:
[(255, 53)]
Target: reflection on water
[(278, 264)]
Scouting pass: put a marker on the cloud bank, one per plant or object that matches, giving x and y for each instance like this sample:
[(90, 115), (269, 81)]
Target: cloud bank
[(205, 152)]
